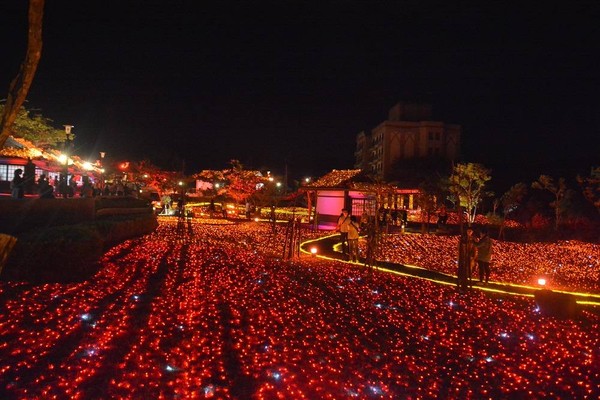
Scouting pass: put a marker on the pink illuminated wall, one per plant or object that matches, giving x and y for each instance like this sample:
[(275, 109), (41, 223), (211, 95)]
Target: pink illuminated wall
[(329, 205)]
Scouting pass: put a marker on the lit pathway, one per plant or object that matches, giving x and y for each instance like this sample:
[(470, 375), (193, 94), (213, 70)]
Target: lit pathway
[(328, 248)]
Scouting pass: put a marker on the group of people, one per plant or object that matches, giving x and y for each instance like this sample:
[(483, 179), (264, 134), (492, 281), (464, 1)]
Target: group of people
[(392, 216), (474, 252), (46, 190), (349, 230)]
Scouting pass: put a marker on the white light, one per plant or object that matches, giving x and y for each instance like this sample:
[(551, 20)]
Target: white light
[(170, 368), (86, 317), (209, 391), (62, 158), (88, 166), (313, 251), (376, 390), (541, 281), (276, 376)]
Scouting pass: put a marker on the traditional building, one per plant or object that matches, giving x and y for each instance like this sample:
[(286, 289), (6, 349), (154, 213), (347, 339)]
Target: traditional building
[(18, 153), (355, 190), (408, 133)]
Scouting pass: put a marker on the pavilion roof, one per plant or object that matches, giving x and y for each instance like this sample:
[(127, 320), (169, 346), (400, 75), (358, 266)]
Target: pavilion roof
[(339, 178), (354, 179)]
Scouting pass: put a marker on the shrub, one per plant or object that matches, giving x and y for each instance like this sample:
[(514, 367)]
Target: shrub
[(70, 252), (116, 229), (62, 253)]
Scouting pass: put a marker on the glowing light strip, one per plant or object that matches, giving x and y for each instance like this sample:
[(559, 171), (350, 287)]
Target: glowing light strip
[(475, 286)]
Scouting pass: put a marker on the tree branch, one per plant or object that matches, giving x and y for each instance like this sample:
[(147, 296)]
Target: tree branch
[(19, 87)]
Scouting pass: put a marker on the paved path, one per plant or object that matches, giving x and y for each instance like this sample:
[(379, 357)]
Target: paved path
[(327, 249)]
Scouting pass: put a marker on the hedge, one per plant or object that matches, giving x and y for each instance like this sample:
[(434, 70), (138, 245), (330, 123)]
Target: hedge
[(70, 252)]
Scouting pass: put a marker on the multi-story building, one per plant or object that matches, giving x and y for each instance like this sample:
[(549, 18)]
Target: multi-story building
[(408, 133)]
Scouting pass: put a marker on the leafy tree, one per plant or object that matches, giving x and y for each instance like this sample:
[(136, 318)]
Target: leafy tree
[(511, 201), (241, 183), (19, 87), (591, 189), (212, 177), (36, 129), (558, 190), (149, 175), (513, 198), (430, 192), (467, 182)]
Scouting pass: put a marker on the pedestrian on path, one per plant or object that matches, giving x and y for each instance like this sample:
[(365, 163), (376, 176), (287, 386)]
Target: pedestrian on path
[(466, 259), (342, 228), (484, 255), (353, 235)]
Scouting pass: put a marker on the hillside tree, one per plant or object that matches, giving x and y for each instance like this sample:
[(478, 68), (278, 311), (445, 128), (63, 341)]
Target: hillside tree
[(558, 190), (590, 187)]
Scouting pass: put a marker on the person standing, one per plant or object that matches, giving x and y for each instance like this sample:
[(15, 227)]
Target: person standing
[(353, 235), (484, 255), (44, 188), (442, 216), (87, 190), (342, 227), (466, 259), (72, 188), (17, 188), (29, 177)]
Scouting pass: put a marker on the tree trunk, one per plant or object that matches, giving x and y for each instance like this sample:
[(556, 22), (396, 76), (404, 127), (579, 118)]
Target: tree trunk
[(557, 213), (19, 87)]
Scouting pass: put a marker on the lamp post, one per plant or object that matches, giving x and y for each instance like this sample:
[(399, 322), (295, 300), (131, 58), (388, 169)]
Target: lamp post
[(102, 154), (64, 181)]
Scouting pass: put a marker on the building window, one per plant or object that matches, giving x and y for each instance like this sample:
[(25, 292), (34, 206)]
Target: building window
[(438, 136), (430, 135), (4, 172), (10, 173)]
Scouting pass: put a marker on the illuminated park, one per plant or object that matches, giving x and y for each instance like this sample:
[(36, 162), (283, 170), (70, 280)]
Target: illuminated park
[(200, 310), (277, 201)]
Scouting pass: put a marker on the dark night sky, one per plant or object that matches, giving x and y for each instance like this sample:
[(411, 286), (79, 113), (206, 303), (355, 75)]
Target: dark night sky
[(270, 82)]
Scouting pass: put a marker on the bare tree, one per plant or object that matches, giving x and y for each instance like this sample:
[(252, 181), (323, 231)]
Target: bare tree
[(591, 189), (546, 182), (19, 87)]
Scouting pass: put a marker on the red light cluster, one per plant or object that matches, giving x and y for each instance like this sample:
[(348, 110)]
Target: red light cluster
[(568, 265), (200, 311)]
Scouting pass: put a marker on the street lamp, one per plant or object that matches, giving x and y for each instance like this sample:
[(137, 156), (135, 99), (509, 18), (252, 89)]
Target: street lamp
[(64, 181), (102, 154)]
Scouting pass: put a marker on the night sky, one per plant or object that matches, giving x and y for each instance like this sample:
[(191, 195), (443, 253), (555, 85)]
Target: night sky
[(271, 83)]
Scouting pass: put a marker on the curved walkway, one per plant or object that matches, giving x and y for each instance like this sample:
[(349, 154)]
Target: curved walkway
[(327, 248)]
